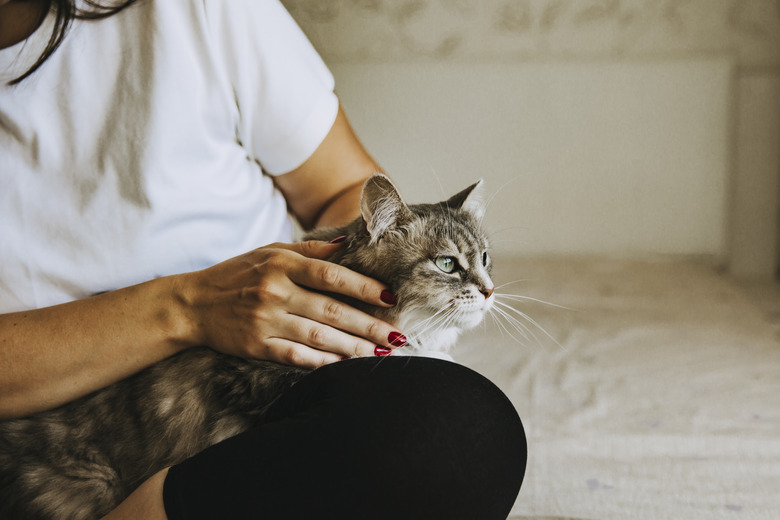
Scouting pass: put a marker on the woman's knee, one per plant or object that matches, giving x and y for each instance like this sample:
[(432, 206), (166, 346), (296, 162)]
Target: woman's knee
[(368, 438), (440, 433)]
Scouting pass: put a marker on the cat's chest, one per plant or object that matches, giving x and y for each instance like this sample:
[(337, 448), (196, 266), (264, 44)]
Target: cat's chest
[(427, 335)]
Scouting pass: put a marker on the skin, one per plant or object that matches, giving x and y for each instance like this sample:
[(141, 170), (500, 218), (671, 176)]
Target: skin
[(259, 305), (18, 20), (263, 304)]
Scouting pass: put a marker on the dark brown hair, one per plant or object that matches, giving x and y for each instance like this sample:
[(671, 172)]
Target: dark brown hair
[(65, 11)]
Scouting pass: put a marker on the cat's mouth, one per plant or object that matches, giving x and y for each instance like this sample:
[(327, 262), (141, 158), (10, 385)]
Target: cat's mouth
[(442, 324)]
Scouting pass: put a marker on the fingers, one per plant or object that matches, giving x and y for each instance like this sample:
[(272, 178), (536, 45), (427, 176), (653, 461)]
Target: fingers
[(323, 330), (329, 277), (310, 248), (317, 345), (269, 304), (302, 320), (288, 352), (337, 327), (317, 273)]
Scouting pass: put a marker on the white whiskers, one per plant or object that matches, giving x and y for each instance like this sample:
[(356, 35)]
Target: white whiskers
[(517, 324), (429, 333), (490, 199), (517, 297), (439, 331)]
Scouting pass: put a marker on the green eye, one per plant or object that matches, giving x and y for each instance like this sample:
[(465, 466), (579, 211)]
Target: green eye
[(446, 263)]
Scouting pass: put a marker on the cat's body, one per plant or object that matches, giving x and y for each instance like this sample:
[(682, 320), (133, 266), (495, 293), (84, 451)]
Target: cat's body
[(80, 460)]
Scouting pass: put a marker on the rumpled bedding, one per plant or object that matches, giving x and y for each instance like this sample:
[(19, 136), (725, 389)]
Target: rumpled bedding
[(647, 390)]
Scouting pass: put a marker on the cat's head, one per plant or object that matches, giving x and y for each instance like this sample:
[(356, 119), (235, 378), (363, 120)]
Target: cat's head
[(433, 256)]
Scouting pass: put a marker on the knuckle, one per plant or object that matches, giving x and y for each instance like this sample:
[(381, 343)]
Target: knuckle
[(361, 349), (262, 316), (268, 291), (372, 330), (333, 311), (317, 336), (331, 275), (307, 248), (367, 291), (275, 261), (294, 356)]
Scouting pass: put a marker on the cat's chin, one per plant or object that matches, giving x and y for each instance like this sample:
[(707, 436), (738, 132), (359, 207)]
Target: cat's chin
[(442, 340), (425, 340), (469, 320)]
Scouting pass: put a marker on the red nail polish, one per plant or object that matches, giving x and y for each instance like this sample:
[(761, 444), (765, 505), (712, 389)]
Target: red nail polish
[(388, 297), (338, 240), (396, 339), (382, 351)]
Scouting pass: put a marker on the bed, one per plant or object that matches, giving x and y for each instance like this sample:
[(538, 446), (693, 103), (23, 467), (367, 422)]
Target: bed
[(647, 390)]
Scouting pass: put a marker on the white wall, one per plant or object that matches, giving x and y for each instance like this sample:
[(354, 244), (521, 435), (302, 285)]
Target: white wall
[(616, 158), (756, 185), (662, 149)]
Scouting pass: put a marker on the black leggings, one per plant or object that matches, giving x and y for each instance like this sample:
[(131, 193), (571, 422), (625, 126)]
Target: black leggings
[(373, 438)]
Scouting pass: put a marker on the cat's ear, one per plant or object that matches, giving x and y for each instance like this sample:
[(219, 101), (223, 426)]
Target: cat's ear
[(381, 206), (469, 199)]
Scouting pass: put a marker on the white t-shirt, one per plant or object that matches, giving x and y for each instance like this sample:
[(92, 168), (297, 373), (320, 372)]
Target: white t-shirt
[(140, 148)]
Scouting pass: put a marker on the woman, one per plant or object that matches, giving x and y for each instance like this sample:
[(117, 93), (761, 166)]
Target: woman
[(144, 154)]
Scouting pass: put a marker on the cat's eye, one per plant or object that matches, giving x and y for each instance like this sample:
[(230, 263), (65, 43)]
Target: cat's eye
[(446, 263), (484, 259)]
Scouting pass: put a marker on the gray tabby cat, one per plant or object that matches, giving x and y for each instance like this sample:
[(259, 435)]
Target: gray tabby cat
[(80, 460)]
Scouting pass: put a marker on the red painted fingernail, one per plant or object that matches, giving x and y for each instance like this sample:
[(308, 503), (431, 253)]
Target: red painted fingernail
[(338, 240), (396, 339), (382, 351), (388, 297)]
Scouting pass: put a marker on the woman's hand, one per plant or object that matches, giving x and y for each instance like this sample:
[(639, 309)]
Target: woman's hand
[(264, 304)]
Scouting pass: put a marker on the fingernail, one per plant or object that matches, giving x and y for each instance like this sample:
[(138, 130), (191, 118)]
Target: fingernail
[(344, 358), (382, 351), (338, 240), (388, 297), (396, 339)]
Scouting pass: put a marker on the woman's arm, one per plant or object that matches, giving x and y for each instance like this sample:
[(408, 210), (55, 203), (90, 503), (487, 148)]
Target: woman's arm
[(325, 190), (53, 355), (145, 502), (255, 305)]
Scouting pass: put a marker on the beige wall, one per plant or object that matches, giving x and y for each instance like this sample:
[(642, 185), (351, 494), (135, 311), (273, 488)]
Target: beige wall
[(647, 53)]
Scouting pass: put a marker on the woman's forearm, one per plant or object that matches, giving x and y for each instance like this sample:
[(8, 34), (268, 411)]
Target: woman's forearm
[(53, 355), (342, 208), (270, 303), (325, 190), (145, 502)]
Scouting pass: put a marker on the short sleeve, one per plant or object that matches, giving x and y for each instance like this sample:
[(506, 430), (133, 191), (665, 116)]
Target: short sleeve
[(283, 90)]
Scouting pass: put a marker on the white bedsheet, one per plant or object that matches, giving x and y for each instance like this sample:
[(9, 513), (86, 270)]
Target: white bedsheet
[(660, 400)]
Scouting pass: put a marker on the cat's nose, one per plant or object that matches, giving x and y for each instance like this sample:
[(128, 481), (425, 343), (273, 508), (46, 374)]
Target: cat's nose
[(487, 292)]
